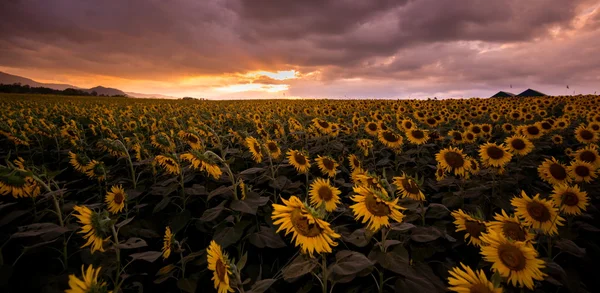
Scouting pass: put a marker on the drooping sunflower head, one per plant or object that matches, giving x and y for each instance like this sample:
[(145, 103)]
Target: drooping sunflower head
[(191, 139), (407, 186), (322, 193), (570, 199), (113, 147), (515, 260), (473, 227), (219, 264), (95, 169), (309, 231), (299, 160), (255, 149), (327, 165), (203, 162), (170, 164), (115, 199), (468, 281), (510, 227), (585, 135), (554, 172), (78, 161), (452, 160), (95, 227), (417, 136), (168, 242), (162, 142), (89, 282), (374, 208), (581, 171), (494, 155), (519, 145), (538, 213), (273, 149), (390, 139), (242, 189)]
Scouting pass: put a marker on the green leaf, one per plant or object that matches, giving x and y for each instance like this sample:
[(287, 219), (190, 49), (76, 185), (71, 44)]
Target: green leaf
[(40, 229), (161, 205), (425, 234), (266, 237), (149, 256), (248, 205), (436, 211), (187, 285), (179, 221), (261, 286), (570, 247), (358, 237), (132, 243), (242, 262), (299, 267), (349, 262), (212, 213)]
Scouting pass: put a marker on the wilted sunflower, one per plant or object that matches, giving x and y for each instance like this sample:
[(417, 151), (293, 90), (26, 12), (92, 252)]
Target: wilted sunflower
[(585, 135), (327, 165), (354, 162), (218, 262), (557, 139), (79, 162), (473, 228), (202, 162), (273, 149), (494, 155), (570, 199), (537, 213), (170, 164), (254, 147), (89, 282), (168, 240), (519, 145), (373, 207), (309, 232), (554, 172), (589, 154), (95, 227), (365, 145), (406, 186), (582, 171), (417, 136), (115, 199), (515, 260), (468, 281), (95, 169), (452, 160), (510, 227), (390, 139), (323, 194), (299, 160), (162, 142)]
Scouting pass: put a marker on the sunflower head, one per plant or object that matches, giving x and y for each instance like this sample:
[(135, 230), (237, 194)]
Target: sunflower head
[(327, 165), (452, 160), (354, 161), (95, 227), (570, 199), (537, 213), (519, 145), (554, 172), (220, 265), (169, 163), (323, 194), (168, 243), (255, 149), (372, 206), (299, 160), (586, 135), (390, 139), (473, 227), (581, 171), (407, 186), (494, 155), (273, 149), (115, 199), (466, 280), (88, 283), (588, 154), (510, 227)]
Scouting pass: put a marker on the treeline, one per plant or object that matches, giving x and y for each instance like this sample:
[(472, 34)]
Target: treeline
[(18, 88)]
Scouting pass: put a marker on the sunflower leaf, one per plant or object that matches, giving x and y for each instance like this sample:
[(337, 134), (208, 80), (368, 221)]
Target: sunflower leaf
[(187, 285), (212, 213), (261, 286), (266, 237), (149, 256), (570, 247), (299, 267)]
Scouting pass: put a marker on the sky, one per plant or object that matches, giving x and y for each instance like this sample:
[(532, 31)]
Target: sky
[(306, 49)]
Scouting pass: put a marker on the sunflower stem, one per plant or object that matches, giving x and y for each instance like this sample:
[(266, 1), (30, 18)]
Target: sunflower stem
[(130, 163), (381, 281), (118, 251), (324, 270)]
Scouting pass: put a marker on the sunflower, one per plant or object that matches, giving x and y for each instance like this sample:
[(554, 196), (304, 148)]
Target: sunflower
[(219, 264), (594, 126), (557, 139), (309, 232), (273, 149), (327, 165), (473, 228), (408, 187), (554, 172), (14, 184), (510, 227), (407, 124), (191, 139), (243, 189), (570, 199), (494, 155), (537, 213), (374, 207), (582, 171), (299, 160), (589, 154), (508, 128), (79, 162), (561, 123), (95, 227), (372, 128), (89, 283), (254, 147), (115, 199), (322, 125), (323, 194), (533, 131), (168, 240), (417, 136), (457, 136), (202, 162), (354, 162), (390, 139), (95, 169), (452, 160), (365, 145), (469, 137), (468, 281), (515, 260), (519, 145), (170, 164), (585, 135), (162, 142)]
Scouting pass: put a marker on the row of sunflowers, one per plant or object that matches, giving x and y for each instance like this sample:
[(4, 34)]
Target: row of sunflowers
[(469, 195)]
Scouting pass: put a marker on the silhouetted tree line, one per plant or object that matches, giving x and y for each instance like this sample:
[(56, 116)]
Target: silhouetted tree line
[(17, 88)]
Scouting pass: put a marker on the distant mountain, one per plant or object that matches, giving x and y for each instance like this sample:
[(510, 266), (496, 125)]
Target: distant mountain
[(106, 91)]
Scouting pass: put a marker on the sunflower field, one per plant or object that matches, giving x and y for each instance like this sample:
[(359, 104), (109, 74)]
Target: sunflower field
[(140, 195)]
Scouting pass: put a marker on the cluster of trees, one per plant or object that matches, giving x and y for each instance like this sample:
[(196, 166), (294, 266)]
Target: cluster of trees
[(18, 88)]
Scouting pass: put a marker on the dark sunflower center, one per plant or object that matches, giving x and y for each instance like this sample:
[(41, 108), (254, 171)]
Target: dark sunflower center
[(372, 126), (512, 257), (431, 121), (256, 148), (302, 225), (533, 130), (538, 211), (557, 138), (389, 136), (192, 139), (410, 186), (119, 197), (221, 270), (470, 136), (586, 134), (558, 172), (513, 231), (272, 147), (508, 127), (169, 162), (408, 125), (324, 124), (582, 171), (587, 156), (495, 152), (595, 127), (476, 129), (454, 160), (486, 128), (561, 124), (328, 164), (70, 132), (300, 159), (418, 134), (325, 193), (546, 126), (457, 135), (474, 228), (375, 207), (515, 115), (570, 198), (518, 144)]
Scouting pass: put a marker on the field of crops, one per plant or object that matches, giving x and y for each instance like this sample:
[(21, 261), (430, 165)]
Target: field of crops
[(131, 195)]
